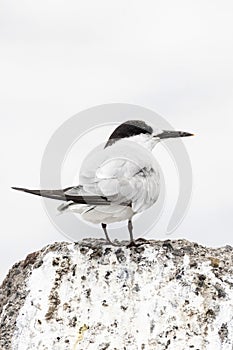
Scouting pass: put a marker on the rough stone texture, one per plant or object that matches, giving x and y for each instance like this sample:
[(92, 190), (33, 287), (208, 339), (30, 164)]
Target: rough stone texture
[(87, 295)]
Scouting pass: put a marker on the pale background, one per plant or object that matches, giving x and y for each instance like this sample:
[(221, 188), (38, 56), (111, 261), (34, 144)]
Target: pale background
[(60, 57)]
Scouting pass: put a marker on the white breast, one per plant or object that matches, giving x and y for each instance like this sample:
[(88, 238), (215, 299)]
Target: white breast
[(126, 172)]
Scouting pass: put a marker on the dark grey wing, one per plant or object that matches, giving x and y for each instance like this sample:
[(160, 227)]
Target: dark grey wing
[(73, 194)]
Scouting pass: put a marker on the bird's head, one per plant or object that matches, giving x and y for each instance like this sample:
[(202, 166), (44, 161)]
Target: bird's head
[(142, 133)]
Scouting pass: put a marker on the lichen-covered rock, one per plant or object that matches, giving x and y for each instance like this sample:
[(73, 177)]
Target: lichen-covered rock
[(88, 295)]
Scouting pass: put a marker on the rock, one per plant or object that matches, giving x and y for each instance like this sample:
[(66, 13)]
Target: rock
[(88, 295)]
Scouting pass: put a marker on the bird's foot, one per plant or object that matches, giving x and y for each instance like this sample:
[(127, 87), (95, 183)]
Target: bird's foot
[(131, 244), (138, 242), (109, 242), (143, 240)]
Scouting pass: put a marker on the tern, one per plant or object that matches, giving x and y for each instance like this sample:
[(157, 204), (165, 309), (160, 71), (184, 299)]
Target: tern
[(118, 180)]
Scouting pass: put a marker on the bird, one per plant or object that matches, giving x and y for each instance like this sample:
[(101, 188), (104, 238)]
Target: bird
[(118, 180)]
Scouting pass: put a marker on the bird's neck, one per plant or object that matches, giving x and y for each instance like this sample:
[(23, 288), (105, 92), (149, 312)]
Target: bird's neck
[(145, 141)]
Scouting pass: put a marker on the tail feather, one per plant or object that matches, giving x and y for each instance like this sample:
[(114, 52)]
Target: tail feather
[(63, 195), (53, 194)]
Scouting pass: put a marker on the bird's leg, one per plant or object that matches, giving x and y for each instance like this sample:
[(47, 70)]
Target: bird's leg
[(130, 228), (104, 226), (132, 242)]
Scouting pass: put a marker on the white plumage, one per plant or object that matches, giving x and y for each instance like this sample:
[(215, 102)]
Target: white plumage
[(126, 173)]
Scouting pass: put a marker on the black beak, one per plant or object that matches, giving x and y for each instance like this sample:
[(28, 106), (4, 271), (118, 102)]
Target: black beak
[(172, 134)]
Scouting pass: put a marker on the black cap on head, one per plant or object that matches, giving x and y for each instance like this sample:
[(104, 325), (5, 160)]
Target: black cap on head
[(129, 128)]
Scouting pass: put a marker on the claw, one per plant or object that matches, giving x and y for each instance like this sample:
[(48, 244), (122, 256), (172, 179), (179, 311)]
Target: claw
[(133, 243)]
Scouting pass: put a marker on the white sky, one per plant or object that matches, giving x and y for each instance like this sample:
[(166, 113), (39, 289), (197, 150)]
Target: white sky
[(60, 57)]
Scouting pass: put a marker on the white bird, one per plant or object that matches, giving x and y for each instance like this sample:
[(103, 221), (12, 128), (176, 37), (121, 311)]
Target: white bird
[(118, 180)]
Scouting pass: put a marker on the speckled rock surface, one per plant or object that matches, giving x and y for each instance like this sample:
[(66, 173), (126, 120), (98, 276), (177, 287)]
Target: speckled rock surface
[(87, 295)]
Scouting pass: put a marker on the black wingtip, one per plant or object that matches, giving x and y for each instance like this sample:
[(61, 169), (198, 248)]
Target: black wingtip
[(36, 192), (18, 188)]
